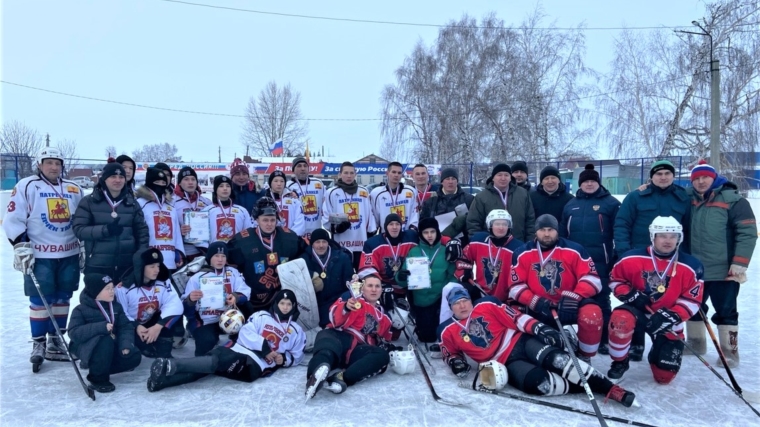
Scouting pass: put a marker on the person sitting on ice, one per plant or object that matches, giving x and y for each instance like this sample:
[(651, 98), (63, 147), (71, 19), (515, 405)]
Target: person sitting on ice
[(101, 334), (530, 351), (660, 280), (268, 341), (355, 345)]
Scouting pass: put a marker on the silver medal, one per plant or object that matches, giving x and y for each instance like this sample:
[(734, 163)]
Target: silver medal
[(114, 214)]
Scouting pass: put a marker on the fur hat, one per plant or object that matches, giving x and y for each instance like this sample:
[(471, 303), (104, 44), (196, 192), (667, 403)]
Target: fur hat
[(151, 256)]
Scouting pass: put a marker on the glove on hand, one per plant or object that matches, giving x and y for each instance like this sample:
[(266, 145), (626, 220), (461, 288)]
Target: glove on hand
[(23, 257)]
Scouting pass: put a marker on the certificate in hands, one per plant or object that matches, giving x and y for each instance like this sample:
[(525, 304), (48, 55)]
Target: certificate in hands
[(419, 269), (199, 227), (213, 293)]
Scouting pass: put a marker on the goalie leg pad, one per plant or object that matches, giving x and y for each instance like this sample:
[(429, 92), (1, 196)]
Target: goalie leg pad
[(590, 324), (665, 359)]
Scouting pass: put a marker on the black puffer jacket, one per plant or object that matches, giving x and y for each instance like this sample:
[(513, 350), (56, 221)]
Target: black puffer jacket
[(339, 270), (552, 204), (88, 324), (106, 254)]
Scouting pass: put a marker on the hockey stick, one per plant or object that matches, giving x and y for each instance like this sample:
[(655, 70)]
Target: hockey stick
[(413, 340), (706, 363), (589, 393), (752, 397), (552, 405), (89, 391), (436, 397)]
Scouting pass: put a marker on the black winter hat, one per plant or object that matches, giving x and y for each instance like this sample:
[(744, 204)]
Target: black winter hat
[(186, 171), (499, 167), (217, 247), (449, 173), (94, 283), (219, 180), (520, 166), (390, 218), (547, 220), (319, 234), (274, 175), (297, 160), (288, 295), (588, 174), (430, 222), (164, 167), (124, 158), (112, 169), (155, 174), (151, 256), (549, 171)]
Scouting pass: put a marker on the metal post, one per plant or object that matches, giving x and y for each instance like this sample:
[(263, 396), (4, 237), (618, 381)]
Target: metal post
[(715, 114)]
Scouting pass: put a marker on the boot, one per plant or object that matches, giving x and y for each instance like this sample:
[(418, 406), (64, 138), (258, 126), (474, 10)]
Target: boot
[(38, 354), (636, 353), (695, 336), (100, 385), (435, 350), (617, 370), (335, 382), (729, 343), (316, 380)]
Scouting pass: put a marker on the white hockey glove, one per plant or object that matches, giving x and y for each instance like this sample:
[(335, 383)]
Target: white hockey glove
[(23, 257), (737, 273)]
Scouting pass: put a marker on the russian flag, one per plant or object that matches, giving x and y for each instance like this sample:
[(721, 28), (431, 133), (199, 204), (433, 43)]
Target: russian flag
[(276, 149)]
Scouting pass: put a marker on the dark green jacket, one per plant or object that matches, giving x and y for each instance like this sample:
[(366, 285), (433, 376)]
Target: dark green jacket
[(518, 205), (723, 229), (443, 273)]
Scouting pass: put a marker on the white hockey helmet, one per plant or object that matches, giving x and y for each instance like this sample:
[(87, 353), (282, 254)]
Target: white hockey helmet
[(231, 321), (665, 224), (49, 153), (497, 214), (402, 362), (493, 375)]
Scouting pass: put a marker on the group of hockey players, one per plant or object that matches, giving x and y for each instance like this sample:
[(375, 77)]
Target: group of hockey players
[(492, 278)]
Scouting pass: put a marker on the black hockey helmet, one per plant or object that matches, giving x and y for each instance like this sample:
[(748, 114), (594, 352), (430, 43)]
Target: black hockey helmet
[(265, 206)]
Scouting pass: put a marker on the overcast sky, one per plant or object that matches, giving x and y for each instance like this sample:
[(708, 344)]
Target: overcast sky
[(185, 57)]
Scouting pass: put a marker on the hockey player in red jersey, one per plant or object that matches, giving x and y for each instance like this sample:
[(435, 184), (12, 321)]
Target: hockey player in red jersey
[(552, 272), (492, 253), (660, 280), (531, 351), (354, 346)]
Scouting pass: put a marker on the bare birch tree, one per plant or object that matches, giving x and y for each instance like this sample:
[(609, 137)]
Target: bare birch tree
[(23, 142), (273, 116)]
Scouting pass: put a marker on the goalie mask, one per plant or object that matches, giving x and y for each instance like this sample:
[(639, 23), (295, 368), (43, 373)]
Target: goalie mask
[(402, 362), (493, 375)]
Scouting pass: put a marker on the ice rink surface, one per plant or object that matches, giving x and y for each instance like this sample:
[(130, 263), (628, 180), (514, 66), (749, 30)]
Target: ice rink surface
[(54, 397)]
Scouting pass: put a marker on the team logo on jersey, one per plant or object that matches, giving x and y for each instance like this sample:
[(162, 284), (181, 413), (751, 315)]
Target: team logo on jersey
[(146, 310), (391, 265), (225, 228), (399, 210), (363, 193), (317, 185), (491, 271), (370, 324), (163, 227), (58, 210), (351, 209), (478, 332), (72, 189), (309, 203), (653, 285), (550, 276)]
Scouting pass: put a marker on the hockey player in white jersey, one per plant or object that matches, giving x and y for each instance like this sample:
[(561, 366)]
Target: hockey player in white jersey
[(288, 204), (396, 198), (225, 217), (38, 225), (162, 218), (268, 341), (188, 198), (347, 213), (152, 304), (311, 192)]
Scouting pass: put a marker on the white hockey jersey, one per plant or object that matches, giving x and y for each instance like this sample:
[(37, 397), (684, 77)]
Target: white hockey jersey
[(291, 212), (141, 303), (163, 227), (43, 211), (183, 204), (402, 202), (359, 212), (286, 338), (312, 195), (225, 222), (233, 283)]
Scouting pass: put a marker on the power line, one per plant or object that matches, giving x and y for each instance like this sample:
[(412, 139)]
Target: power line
[(410, 24)]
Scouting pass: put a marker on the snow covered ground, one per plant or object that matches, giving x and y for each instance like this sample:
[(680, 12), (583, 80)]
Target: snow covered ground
[(54, 397)]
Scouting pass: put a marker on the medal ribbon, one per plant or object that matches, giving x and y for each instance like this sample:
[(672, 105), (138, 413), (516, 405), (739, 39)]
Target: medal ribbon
[(394, 197), (194, 205), (466, 326), (495, 259), (221, 207), (503, 197), (270, 246), (60, 184), (541, 256), (667, 268), (280, 321), (157, 200), (111, 204), (421, 195), (434, 255), (111, 319), (319, 261), (395, 254)]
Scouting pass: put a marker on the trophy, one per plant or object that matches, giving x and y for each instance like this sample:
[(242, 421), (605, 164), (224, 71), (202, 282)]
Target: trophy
[(355, 287)]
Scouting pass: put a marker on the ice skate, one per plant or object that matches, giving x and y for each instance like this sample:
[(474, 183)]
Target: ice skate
[(38, 355), (636, 353), (335, 382), (617, 370), (625, 398), (316, 380), (55, 350)]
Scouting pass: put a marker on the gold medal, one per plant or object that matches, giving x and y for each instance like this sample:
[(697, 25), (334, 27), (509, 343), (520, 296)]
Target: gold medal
[(430, 270), (542, 273), (661, 288), (395, 268), (495, 275), (466, 338), (323, 275), (357, 305)]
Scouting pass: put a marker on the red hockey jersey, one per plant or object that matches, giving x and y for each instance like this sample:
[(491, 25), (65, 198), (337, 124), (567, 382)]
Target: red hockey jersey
[(367, 324), (492, 264), (386, 259)]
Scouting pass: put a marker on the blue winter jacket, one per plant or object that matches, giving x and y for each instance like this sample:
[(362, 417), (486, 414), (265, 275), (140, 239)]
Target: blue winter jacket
[(338, 272)]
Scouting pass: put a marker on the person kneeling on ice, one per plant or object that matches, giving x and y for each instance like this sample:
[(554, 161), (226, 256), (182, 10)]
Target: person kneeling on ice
[(205, 325), (355, 345), (660, 280), (530, 350), (152, 304), (268, 341), (101, 334)]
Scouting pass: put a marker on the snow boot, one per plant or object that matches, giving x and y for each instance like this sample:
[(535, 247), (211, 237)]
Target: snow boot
[(695, 336), (729, 343)]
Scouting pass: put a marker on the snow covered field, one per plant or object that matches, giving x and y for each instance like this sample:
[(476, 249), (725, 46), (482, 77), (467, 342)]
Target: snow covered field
[(54, 396)]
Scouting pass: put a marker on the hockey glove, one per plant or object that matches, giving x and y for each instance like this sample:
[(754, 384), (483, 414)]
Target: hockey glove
[(636, 300), (459, 367), (23, 257), (388, 347), (386, 299), (114, 229), (541, 306), (342, 227), (662, 321), (453, 250), (403, 275), (548, 335), (568, 307)]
